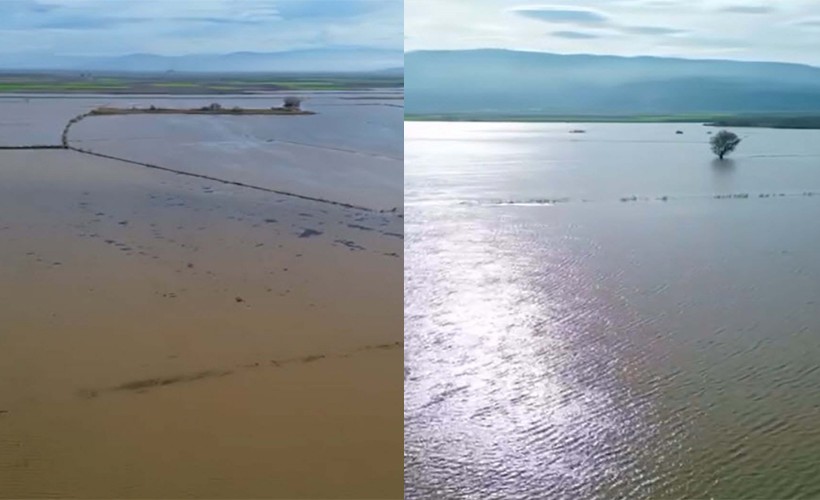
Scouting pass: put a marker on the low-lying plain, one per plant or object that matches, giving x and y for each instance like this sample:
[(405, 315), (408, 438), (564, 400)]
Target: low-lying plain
[(201, 305)]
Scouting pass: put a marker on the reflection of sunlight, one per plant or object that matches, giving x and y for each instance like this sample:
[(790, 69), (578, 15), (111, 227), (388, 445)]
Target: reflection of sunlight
[(499, 377), (438, 158), (434, 145), (587, 350)]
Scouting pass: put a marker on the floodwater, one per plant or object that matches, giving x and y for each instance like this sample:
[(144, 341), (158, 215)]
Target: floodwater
[(350, 151), (168, 336), (611, 314)]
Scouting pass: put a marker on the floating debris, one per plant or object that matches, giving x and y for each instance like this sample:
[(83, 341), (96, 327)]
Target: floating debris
[(350, 244), (307, 233)]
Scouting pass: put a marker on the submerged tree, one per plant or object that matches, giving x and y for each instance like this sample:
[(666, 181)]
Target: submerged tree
[(723, 143)]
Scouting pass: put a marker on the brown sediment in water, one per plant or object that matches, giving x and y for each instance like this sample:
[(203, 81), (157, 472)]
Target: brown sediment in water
[(132, 358)]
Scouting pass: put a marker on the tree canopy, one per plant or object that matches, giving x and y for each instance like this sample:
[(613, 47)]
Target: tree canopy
[(723, 143)]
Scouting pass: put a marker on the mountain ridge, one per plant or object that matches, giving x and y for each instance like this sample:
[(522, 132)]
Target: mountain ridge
[(528, 83), (334, 60)]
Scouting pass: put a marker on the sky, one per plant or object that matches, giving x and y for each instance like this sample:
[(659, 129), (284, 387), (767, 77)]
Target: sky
[(179, 27), (786, 30)]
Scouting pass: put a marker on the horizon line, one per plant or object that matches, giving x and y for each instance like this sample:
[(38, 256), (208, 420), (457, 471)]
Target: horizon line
[(619, 56)]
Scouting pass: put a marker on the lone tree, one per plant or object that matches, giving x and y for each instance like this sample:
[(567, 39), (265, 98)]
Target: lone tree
[(723, 143), (292, 103)]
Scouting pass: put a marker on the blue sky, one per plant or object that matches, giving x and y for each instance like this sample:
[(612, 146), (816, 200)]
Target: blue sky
[(787, 30), (177, 27)]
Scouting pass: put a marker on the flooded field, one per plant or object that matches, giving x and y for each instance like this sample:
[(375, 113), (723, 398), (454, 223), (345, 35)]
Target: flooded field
[(165, 335), (610, 314), (350, 151)]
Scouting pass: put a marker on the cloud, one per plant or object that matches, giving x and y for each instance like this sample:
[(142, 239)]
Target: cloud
[(324, 9), (82, 23), (750, 29), (191, 26), (562, 15), (809, 23), (651, 30), (660, 3), (25, 6), (588, 17), (748, 9), (574, 35)]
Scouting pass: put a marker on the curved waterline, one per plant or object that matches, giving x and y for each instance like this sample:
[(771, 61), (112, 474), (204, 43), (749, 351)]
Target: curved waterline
[(66, 144)]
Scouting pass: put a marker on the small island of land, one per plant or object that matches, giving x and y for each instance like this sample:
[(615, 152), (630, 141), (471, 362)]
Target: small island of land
[(213, 109)]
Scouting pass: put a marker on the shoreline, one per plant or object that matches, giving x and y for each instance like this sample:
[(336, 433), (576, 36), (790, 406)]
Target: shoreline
[(775, 121)]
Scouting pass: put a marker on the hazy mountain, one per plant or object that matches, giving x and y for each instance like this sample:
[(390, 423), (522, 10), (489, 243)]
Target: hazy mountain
[(318, 60), (522, 83), (399, 71)]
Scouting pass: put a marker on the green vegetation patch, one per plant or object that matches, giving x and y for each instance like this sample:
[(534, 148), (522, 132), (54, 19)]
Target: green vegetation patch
[(188, 83), (175, 84)]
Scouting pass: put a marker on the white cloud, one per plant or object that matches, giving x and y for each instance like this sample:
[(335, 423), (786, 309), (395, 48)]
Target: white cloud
[(172, 27), (683, 28)]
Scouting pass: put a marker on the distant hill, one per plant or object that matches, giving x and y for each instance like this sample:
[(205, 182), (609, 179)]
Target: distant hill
[(510, 83), (296, 61), (392, 72)]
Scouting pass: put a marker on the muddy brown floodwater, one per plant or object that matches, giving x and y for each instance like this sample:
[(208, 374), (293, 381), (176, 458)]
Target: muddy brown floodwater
[(163, 335)]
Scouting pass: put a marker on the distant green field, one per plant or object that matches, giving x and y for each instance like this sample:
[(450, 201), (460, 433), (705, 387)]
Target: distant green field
[(188, 84), (567, 118), (175, 84), (775, 120)]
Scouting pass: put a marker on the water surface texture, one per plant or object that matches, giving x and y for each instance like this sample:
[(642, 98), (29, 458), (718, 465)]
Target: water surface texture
[(349, 151), (610, 314), (167, 335)]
